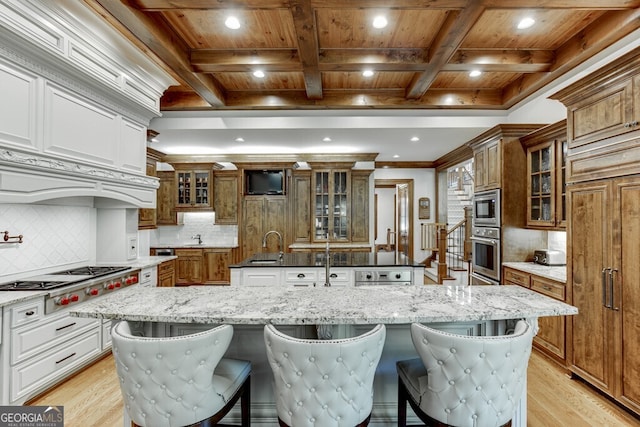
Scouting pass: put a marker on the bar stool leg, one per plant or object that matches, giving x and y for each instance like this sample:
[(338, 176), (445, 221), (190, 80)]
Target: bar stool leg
[(402, 404)]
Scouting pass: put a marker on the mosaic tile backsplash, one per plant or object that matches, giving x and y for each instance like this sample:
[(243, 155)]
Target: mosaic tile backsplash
[(54, 236)]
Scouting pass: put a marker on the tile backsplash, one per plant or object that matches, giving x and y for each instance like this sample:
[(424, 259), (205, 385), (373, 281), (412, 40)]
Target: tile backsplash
[(53, 236), (202, 223)]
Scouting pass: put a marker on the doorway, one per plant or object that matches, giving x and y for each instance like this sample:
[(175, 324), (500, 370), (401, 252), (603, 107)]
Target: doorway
[(394, 216)]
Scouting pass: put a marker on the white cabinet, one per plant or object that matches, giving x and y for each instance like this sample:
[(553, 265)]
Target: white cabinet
[(260, 277), (40, 350)]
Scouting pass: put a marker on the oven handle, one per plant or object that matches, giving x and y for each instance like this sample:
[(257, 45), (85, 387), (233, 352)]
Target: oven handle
[(493, 242)]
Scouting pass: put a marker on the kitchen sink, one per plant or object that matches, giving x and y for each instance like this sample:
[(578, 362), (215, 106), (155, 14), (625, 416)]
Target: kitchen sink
[(194, 245), (263, 261)]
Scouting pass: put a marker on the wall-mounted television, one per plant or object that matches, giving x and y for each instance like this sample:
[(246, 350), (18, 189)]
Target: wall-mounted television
[(264, 182)]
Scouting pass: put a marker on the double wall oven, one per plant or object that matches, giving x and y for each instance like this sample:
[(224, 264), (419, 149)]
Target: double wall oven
[(486, 250)]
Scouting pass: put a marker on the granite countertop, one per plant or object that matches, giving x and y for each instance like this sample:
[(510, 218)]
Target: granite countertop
[(325, 305), (338, 259), (557, 273), (12, 297), (145, 261), (183, 245)]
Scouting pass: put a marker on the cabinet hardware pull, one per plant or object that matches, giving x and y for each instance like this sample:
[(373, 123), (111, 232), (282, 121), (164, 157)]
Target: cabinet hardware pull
[(333, 275), (604, 287), (30, 313), (301, 275), (613, 301), (65, 327), (65, 358), (548, 288)]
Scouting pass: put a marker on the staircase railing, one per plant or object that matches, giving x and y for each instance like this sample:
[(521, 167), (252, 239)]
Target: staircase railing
[(458, 177)]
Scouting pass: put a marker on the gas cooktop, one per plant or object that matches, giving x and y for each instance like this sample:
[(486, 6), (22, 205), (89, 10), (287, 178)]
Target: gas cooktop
[(60, 278)]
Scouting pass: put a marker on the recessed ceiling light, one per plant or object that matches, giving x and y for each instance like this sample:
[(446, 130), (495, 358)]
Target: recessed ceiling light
[(367, 73), (475, 73), (379, 21), (259, 74), (326, 139), (232, 23), (239, 139), (395, 156), (415, 139), (526, 23)]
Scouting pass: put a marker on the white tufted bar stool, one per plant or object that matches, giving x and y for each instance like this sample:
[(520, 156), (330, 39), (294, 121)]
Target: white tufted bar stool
[(324, 383), (464, 381), (180, 381)]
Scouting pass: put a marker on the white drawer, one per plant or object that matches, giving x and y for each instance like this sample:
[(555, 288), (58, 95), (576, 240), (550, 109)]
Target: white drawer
[(301, 277), (36, 338), (261, 277), (27, 312), (32, 377), (338, 277)]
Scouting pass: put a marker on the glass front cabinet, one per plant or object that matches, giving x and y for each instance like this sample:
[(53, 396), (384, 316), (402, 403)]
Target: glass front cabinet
[(546, 175), (193, 188), (331, 205)]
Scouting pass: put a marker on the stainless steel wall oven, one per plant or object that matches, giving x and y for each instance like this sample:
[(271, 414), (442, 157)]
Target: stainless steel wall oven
[(486, 252)]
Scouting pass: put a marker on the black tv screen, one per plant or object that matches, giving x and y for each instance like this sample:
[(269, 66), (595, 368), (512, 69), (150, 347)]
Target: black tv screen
[(265, 181)]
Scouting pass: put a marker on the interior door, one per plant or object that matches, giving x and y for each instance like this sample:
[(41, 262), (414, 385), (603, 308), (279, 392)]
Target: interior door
[(403, 228)]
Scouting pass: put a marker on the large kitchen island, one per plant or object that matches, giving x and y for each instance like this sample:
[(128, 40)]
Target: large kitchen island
[(299, 311)]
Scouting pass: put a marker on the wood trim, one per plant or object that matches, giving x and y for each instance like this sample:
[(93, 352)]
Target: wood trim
[(503, 131), (404, 165), (553, 131), (452, 158)]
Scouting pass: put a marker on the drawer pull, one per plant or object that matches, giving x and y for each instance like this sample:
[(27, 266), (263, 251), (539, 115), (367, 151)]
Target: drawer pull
[(547, 288), (29, 313), (65, 358), (65, 327), (333, 275), (301, 276)]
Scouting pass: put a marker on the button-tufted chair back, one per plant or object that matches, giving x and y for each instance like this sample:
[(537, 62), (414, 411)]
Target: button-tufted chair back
[(171, 381), (324, 383), (469, 381)]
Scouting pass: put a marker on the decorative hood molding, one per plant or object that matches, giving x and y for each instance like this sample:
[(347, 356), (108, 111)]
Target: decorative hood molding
[(32, 178)]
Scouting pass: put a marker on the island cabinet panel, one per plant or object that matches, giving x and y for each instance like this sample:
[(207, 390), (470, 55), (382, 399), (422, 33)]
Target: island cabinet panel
[(262, 214), (604, 275), (300, 202), (189, 266), (216, 266), (226, 196)]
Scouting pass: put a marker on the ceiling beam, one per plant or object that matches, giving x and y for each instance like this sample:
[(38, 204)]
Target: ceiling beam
[(304, 22), (575, 51), (244, 60), (166, 45), (450, 36), (503, 60)]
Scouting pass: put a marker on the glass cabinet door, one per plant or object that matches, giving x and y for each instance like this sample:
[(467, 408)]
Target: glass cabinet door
[(193, 189), (562, 183), (541, 184), (331, 202)]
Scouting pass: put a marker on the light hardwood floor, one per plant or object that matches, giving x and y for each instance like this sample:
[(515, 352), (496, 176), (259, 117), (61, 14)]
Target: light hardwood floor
[(92, 398)]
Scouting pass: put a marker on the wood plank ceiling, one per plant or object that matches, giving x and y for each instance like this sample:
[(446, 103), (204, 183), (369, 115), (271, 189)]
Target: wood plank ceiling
[(313, 52)]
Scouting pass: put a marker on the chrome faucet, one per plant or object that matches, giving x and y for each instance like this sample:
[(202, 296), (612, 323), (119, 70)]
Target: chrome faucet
[(197, 236), (327, 266), (280, 242)]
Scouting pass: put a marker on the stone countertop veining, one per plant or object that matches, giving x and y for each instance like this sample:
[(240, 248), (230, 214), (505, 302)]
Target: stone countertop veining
[(553, 272), (145, 261), (12, 297), (325, 305), (193, 245), (338, 259)]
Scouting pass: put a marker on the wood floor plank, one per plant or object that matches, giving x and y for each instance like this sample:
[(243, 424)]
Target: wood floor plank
[(92, 398)]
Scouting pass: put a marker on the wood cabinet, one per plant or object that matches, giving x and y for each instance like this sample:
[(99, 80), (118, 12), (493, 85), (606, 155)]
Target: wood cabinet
[(165, 203), (193, 189), (486, 164), (359, 219), (551, 336), (167, 274), (603, 236), (300, 203), (603, 121), (226, 195), (189, 266), (216, 266), (147, 217), (262, 214), (546, 176)]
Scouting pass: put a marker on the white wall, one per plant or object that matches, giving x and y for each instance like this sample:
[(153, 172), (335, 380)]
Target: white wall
[(54, 237), (424, 185)]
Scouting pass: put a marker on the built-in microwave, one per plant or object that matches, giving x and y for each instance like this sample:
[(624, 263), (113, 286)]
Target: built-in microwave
[(486, 209)]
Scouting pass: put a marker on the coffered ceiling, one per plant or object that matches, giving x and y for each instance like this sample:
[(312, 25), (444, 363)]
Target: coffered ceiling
[(313, 52)]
